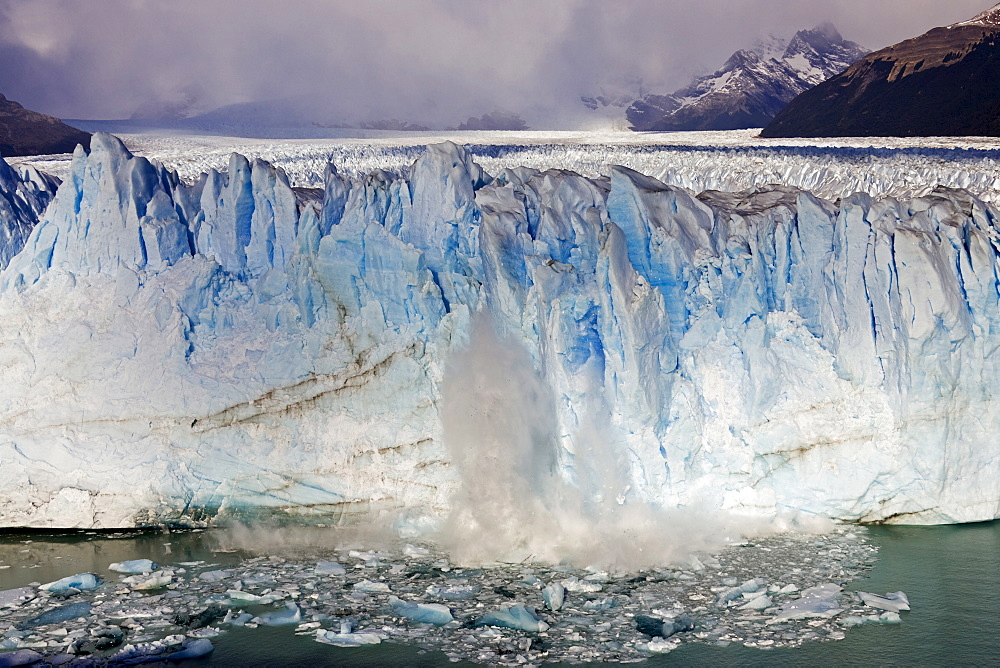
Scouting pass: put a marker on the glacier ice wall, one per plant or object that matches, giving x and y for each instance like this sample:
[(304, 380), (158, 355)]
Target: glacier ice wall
[(175, 352), (24, 194)]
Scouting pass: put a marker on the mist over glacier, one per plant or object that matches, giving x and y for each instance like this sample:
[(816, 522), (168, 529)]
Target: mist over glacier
[(237, 348)]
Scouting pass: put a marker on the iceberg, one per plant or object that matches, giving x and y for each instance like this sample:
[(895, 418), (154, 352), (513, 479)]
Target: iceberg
[(79, 582), (892, 602), (192, 649), (819, 601), (57, 615), (290, 615), (554, 594), (422, 613), (134, 566), (517, 617), (658, 628), (330, 568), (241, 348)]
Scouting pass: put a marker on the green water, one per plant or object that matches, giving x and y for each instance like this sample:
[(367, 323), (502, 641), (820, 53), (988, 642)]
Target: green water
[(951, 575)]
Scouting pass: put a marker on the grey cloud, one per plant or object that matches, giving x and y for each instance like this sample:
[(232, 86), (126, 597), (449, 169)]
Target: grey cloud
[(432, 61)]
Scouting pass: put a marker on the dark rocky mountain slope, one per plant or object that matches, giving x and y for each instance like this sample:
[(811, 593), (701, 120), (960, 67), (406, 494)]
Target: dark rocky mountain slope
[(26, 132), (945, 82)]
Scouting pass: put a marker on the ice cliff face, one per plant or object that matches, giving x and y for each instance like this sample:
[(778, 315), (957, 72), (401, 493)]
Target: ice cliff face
[(24, 194), (173, 352)]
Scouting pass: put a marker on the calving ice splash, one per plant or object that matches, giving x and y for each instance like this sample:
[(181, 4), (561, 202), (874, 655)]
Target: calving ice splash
[(601, 352)]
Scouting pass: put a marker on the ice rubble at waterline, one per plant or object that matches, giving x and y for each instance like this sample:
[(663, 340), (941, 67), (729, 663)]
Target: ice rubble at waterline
[(604, 616), (173, 352)]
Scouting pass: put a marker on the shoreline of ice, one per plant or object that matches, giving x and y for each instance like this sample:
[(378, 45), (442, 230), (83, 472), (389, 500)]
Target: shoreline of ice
[(741, 595)]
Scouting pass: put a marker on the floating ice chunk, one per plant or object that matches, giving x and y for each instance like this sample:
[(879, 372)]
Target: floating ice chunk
[(516, 617), (656, 627), (554, 595), (289, 615), (453, 592), (372, 587), (600, 604), (11, 598), (81, 582), (415, 552), (145, 652), (347, 639), (757, 603), (193, 649), (893, 602), (143, 583), (58, 615), (818, 601), (134, 566), (884, 618), (423, 613), (21, 657), (329, 568), (661, 645), (207, 632), (788, 589), (239, 620), (237, 596), (576, 585), (736, 592)]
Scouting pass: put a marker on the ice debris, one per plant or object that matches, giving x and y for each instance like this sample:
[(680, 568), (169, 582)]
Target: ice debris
[(424, 613), (79, 582), (370, 587), (818, 601), (134, 566), (291, 614), (516, 617), (330, 568), (347, 637), (58, 615), (11, 598), (193, 649), (21, 657), (452, 592), (655, 627), (893, 602), (495, 621), (554, 594)]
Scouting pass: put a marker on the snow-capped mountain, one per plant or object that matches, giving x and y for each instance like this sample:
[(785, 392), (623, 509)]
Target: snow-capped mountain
[(752, 86), (178, 352), (945, 82)]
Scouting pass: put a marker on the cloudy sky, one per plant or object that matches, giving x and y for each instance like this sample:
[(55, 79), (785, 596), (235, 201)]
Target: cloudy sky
[(432, 61)]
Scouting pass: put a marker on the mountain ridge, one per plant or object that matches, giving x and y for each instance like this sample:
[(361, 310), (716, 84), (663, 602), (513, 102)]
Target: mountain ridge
[(945, 82), (752, 86), (25, 132)]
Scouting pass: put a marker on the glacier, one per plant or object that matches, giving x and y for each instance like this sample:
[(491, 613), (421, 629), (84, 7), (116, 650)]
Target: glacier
[(186, 353)]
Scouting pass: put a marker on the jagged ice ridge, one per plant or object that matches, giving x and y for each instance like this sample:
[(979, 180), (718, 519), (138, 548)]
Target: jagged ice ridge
[(176, 352)]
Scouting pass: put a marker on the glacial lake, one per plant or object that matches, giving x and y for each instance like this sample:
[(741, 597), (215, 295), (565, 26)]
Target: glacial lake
[(951, 575)]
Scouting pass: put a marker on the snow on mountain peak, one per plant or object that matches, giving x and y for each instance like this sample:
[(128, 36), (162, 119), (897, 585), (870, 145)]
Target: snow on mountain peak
[(752, 86), (990, 17)]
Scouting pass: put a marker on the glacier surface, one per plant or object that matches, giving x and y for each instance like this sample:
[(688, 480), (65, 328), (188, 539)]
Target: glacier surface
[(178, 352)]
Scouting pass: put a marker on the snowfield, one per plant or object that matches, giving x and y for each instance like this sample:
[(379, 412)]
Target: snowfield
[(730, 161)]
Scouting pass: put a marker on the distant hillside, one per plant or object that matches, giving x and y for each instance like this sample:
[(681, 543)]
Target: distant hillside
[(752, 86), (25, 132), (945, 82)]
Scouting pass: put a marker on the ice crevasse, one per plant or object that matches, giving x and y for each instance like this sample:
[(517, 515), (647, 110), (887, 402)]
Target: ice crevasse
[(180, 353)]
